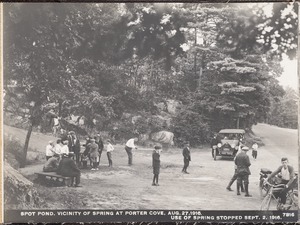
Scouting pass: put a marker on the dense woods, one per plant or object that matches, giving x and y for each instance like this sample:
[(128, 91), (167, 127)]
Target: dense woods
[(121, 66)]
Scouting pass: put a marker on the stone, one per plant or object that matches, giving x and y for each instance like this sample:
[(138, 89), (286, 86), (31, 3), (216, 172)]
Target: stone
[(172, 106), (163, 137)]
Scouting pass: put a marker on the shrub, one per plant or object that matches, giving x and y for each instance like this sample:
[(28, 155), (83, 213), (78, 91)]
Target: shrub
[(190, 126)]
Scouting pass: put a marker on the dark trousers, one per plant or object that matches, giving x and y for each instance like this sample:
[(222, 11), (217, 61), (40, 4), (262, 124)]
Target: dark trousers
[(129, 153), (243, 178), (77, 157), (109, 157), (98, 163), (234, 178), (186, 164), (77, 180), (155, 179), (254, 154), (284, 192)]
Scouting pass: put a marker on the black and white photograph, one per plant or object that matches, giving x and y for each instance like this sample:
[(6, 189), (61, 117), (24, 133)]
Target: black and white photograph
[(147, 111)]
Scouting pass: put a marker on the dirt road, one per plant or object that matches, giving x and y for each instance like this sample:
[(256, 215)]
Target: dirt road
[(124, 187)]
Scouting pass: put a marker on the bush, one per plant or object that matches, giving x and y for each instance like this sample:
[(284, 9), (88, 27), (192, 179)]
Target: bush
[(190, 126)]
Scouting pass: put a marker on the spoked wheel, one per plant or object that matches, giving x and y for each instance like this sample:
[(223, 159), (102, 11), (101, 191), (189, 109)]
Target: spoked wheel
[(262, 189), (265, 205), (292, 200)]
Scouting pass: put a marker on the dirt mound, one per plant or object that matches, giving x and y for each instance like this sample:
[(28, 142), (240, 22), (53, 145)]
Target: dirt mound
[(19, 191)]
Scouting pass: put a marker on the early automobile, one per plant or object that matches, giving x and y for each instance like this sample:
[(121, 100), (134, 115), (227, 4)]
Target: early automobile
[(228, 142)]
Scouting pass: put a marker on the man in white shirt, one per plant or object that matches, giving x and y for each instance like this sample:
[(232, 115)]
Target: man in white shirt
[(128, 147), (49, 150), (65, 149), (109, 149)]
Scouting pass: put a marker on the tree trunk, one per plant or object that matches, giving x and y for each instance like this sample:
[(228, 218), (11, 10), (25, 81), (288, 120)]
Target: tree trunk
[(25, 149), (238, 123)]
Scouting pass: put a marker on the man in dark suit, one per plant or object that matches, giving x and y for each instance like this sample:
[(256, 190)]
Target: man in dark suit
[(68, 168), (186, 156), (242, 163), (74, 146)]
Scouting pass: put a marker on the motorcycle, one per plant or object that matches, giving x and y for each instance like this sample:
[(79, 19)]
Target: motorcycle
[(263, 186)]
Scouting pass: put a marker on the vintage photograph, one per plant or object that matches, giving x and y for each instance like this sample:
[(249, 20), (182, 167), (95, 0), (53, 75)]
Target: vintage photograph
[(150, 106)]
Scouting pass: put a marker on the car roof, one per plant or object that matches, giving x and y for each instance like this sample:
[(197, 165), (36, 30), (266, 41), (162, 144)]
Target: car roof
[(230, 131)]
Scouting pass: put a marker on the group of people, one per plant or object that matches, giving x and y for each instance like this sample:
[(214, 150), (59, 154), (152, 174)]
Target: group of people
[(242, 172)]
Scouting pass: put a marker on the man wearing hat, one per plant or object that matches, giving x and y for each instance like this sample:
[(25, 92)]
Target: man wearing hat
[(156, 164), (186, 156), (68, 168), (94, 154), (74, 145), (242, 163)]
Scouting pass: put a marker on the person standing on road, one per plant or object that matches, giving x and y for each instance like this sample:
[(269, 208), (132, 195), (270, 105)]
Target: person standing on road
[(156, 164), (100, 144), (74, 146), (94, 154), (109, 149), (254, 150), (129, 146), (186, 156), (65, 149), (50, 150), (287, 178), (213, 145), (235, 175), (242, 162)]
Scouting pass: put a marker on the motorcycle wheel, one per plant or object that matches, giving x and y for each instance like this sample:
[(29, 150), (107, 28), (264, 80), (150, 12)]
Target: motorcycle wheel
[(265, 205), (262, 189)]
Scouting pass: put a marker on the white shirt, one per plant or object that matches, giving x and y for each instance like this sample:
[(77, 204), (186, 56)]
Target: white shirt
[(255, 147), (49, 150), (64, 149), (285, 174), (130, 143), (109, 148), (57, 149)]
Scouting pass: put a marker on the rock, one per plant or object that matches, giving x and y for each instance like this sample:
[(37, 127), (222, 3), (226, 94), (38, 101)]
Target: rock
[(163, 137), (161, 106), (19, 191), (172, 106), (134, 119)]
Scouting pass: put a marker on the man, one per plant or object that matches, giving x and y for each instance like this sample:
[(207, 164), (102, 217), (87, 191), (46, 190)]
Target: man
[(186, 156), (99, 142), (52, 164), (74, 146), (242, 163), (94, 154), (254, 150), (68, 168), (156, 164), (49, 150), (287, 178), (128, 147), (64, 148), (213, 145)]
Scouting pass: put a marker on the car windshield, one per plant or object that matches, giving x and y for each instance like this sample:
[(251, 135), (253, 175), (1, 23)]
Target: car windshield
[(230, 136)]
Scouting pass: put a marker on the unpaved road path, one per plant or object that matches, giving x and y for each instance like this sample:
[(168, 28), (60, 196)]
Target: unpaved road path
[(124, 187)]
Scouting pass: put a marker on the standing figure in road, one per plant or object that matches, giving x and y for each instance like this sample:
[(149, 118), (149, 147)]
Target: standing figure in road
[(100, 144), (129, 146), (109, 149), (213, 145), (186, 156), (254, 150), (235, 175), (94, 154), (242, 163), (64, 148), (156, 164), (74, 146), (287, 178)]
